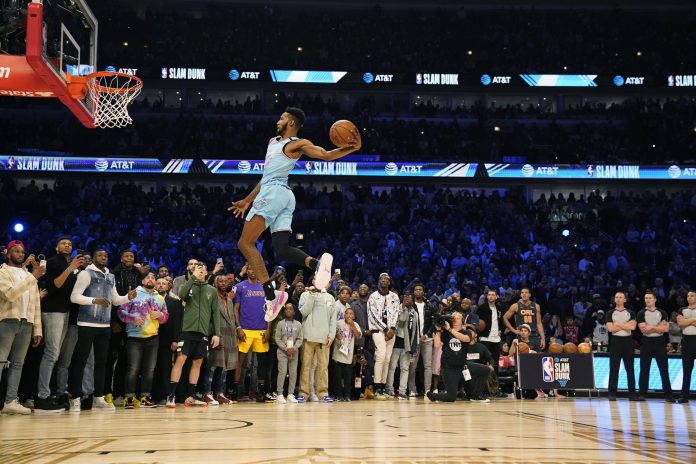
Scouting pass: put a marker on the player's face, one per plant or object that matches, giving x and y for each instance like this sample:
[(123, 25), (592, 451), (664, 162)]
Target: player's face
[(282, 124), (524, 294)]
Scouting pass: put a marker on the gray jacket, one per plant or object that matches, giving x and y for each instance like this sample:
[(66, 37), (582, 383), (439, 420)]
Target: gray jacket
[(411, 338), (285, 331)]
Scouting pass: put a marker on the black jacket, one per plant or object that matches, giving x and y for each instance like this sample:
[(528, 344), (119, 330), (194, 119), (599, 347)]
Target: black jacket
[(171, 331), (485, 314), (58, 299)]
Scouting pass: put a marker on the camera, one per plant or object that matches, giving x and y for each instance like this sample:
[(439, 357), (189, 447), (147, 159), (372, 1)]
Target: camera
[(440, 319)]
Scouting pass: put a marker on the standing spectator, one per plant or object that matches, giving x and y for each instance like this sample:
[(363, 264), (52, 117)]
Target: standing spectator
[(600, 332), (66, 352), (405, 346), (95, 292), (425, 345), (20, 318), (201, 320), (490, 315), (687, 321), (223, 358), (653, 323), (470, 317), (128, 276), (581, 308), (60, 278), (253, 332), (180, 280), (288, 337), (342, 301), (621, 322), (382, 312), (675, 332), (318, 330), (143, 316), (169, 335), (347, 331)]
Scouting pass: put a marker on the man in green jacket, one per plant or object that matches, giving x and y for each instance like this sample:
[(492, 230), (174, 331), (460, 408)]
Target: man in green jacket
[(201, 311)]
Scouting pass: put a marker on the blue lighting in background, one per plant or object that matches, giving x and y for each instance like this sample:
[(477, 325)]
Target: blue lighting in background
[(565, 233)]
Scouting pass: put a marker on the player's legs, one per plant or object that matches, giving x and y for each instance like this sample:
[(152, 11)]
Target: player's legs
[(253, 228), (281, 245)]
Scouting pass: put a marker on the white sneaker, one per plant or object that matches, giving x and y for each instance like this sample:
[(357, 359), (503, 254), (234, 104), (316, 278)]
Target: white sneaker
[(13, 407), (412, 395), (210, 400), (100, 403), (280, 399), (291, 398), (314, 398), (323, 272), (75, 405), (273, 307)]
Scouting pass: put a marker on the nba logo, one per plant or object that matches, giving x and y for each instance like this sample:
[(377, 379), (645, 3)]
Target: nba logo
[(547, 368), (670, 81), (419, 78), (164, 73), (308, 167), (590, 170)]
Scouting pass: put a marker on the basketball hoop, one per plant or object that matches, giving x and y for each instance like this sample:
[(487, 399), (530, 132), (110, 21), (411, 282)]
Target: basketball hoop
[(107, 95)]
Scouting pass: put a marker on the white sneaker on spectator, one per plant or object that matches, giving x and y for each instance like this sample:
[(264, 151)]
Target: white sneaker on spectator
[(210, 400), (100, 403), (13, 407), (323, 272), (75, 405), (412, 395), (291, 398), (280, 399)]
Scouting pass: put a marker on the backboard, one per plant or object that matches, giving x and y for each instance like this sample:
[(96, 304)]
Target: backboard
[(60, 42)]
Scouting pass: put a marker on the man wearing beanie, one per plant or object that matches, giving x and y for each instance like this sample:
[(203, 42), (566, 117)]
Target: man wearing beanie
[(20, 318)]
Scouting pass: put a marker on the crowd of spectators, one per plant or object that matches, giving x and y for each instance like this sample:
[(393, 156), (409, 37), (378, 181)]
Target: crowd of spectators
[(399, 39), (451, 239), (635, 131)]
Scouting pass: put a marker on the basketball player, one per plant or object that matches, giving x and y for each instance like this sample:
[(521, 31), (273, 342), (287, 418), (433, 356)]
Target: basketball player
[(272, 204), (526, 312)]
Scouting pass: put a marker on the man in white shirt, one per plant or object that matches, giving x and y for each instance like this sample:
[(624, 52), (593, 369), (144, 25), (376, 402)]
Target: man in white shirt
[(382, 313), (490, 331), (95, 293)]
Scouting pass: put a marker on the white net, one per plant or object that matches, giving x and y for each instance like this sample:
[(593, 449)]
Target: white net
[(108, 96)]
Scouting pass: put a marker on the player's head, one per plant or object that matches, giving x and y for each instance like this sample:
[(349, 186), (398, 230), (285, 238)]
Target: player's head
[(290, 121)]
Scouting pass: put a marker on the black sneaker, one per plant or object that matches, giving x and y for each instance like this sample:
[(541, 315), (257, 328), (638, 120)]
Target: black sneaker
[(430, 395), (48, 406), (232, 397), (86, 403), (130, 403), (683, 400), (63, 399), (670, 399)]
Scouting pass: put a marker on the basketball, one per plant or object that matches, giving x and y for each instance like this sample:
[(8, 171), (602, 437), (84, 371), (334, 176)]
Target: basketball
[(341, 132), (555, 348), (523, 347), (570, 348), (584, 348)]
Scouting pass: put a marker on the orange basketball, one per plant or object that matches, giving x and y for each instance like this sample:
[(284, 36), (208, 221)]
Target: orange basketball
[(584, 348), (570, 348), (523, 347), (341, 132), (555, 348)]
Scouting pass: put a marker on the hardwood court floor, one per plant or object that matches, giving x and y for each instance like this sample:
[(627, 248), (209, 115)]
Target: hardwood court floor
[(505, 431)]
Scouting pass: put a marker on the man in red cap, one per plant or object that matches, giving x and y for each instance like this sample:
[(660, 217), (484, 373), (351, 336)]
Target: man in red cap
[(20, 318)]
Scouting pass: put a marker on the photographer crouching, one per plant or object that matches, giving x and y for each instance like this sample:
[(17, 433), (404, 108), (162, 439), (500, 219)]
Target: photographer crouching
[(454, 340)]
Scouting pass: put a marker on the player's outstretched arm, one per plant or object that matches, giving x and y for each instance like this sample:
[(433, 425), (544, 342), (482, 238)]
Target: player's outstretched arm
[(305, 147)]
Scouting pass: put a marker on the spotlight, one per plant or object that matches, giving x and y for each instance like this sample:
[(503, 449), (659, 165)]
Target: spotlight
[(19, 227)]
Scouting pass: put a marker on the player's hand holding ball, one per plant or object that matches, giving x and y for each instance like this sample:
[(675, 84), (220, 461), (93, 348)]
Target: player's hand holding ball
[(344, 134)]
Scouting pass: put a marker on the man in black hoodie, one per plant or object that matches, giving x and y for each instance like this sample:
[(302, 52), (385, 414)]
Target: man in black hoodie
[(169, 335), (59, 280)]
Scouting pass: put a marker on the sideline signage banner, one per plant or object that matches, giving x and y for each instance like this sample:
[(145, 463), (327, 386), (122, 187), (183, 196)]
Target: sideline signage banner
[(549, 371)]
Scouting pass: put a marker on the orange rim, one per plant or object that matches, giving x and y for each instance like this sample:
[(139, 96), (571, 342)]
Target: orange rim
[(90, 81)]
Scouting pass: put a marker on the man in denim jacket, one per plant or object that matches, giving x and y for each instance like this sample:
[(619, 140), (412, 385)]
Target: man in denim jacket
[(94, 292)]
